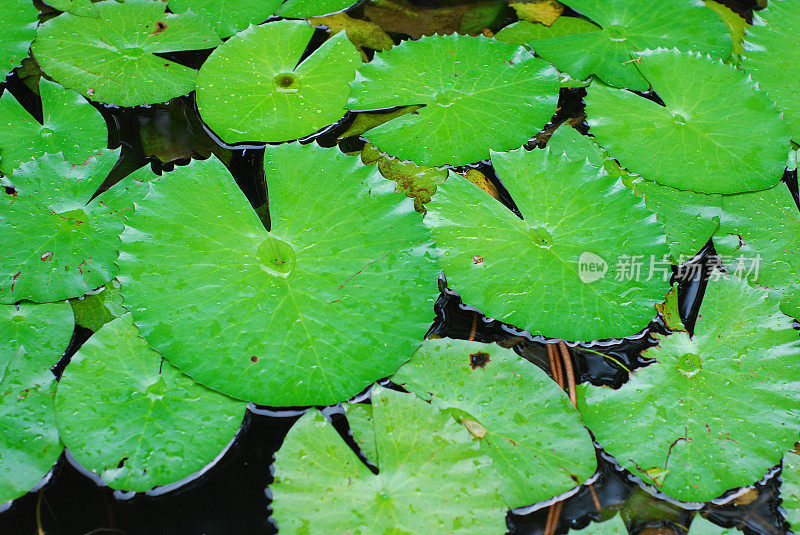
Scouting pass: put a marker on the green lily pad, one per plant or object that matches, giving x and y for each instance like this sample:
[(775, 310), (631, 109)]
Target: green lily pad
[(285, 310), (58, 242), (433, 476), (135, 420), (297, 9), (578, 239), (32, 338), (95, 309), (578, 147), (614, 526), (524, 32), (111, 57), (71, 125), (228, 17), (758, 238), (478, 94), (717, 410), (790, 489), (705, 132), (18, 20), (630, 26), (526, 436), (84, 8), (701, 526), (772, 52), (253, 89)]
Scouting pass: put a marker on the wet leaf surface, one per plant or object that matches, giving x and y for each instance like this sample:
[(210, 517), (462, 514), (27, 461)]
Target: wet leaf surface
[(84, 8), (228, 17), (701, 526), (18, 20), (298, 9), (95, 309)]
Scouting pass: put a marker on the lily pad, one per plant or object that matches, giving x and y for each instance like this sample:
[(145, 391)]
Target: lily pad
[(701, 526), (312, 8), (717, 409), (228, 17), (58, 242), (99, 307), (433, 476), (526, 435), (135, 420), (18, 20), (772, 52), (285, 310), (577, 269), (84, 8), (758, 238), (32, 338), (71, 125), (478, 94), (630, 26), (111, 57), (252, 88), (705, 132), (524, 32), (614, 526), (790, 488)]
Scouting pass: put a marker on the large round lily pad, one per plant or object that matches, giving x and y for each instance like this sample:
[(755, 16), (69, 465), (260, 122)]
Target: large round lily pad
[(490, 388), (572, 273), (111, 57), (18, 19), (717, 410), (285, 310), (771, 56), (228, 17), (478, 94), (254, 88), (433, 476), (32, 338), (705, 132), (135, 420)]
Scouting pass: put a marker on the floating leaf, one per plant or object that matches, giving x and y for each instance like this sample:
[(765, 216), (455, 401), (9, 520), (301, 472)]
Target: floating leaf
[(95, 309), (71, 125), (524, 32), (111, 58), (228, 17), (362, 33), (716, 410), (298, 9), (543, 11), (701, 526), (578, 147), (84, 8), (253, 89), (705, 132), (32, 338), (629, 26), (135, 420), (614, 526), (569, 268), (432, 475), (285, 310), (772, 52), (758, 238), (479, 94), (790, 489), (57, 241), (526, 436), (18, 20)]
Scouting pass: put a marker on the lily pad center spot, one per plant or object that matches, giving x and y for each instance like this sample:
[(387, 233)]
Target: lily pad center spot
[(287, 82), (447, 98), (616, 32), (276, 257), (678, 118), (540, 237), (689, 364), (133, 53)]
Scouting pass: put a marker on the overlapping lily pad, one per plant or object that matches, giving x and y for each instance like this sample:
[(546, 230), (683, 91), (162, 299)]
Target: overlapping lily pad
[(307, 314), (790, 488), (630, 26), (433, 477), (566, 269), (18, 20), (32, 338), (312, 8), (478, 94), (85, 8), (523, 32), (57, 241), (488, 388), (99, 307), (252, 88), (717, 410), (704, 133), (228, 17), (135, 420), (701, 526), (111, 57), (71, 125), (772, 53)]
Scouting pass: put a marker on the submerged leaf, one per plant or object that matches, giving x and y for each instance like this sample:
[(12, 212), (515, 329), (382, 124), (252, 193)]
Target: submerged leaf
[(171, 427), (253, 89), (18, 19), (488, 387), (333, 298), (736, 23), (716, 410), (111, 58), (478, 95), (543, 11), (703, 139), (228, 17), (432, 474)]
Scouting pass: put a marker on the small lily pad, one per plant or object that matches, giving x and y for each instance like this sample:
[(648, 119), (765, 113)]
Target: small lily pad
[(18, 20), (526, 436), (576, 271), (285, 309), (790, 489), (478, 94), (432, 473), (71, 125), (716, 410), (704, 133), (252, 88), (228, 17), (135, 420), (298, 9), (701, 526), (614, 526), (111, 57)]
